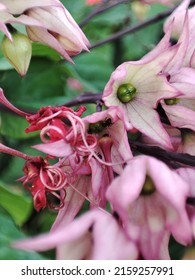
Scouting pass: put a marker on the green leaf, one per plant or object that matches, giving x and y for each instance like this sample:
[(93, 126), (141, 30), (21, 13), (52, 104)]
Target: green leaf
[(17, 205), (44, 51), (93, 69), (13, 126), (8, 234), (44, 84)]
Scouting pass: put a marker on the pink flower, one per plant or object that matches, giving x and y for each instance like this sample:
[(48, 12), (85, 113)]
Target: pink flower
[(109, 124), (43, 179), (152, 197), (95, 235), (93, 2), (181, 111), (137, 87), (49, 23)]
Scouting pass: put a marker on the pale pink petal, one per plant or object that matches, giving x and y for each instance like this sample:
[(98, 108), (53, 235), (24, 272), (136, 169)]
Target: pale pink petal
[(42, 35), (148, 122), (19, 6), (113, 243), (97, 176), (85, 230), (183, 43), (126, 188), (178, 16), (154, 246), (188, 143), (175, 191), (180, 116), (184, 81), (58, 148), (174, 134), (69, 233), (188, 175), (73, 202)]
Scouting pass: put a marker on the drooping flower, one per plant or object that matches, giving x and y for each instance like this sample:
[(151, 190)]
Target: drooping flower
[(179, 16), (109, 124), (154, 202), (49, 23), (138, 86), (181, 110), (83, 239), (43, 179)]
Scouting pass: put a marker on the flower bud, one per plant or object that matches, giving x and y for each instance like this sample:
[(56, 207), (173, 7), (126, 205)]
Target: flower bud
[(18, 52)]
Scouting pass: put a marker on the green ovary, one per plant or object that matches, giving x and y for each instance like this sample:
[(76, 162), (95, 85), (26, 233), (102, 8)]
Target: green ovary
[(126, 92), (148, 187), (171, 101)]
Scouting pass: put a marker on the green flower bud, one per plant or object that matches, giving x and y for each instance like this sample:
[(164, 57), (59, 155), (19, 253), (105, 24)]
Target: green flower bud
[(126, 92), (171, 101), (148, 187), (18, 52)]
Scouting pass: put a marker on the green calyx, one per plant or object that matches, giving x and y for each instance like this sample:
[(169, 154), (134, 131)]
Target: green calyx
[(126, 93), (171, 101), (148, 187)]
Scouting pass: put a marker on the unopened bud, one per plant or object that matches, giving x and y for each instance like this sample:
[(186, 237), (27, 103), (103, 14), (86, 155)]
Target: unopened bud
[(140, 10), (18, 52)]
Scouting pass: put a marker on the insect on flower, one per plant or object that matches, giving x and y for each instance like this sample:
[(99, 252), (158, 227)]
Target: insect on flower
[(99, 126)]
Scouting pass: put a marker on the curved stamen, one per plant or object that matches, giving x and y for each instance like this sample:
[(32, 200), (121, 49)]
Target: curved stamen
[(62, 180), (61, 199), (96, 156), (49, 117), (90, 139), (70, 117), (47, 129)]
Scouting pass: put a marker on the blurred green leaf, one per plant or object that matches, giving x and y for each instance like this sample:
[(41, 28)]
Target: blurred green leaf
[(13, 126), (17, 205), (93, 69), (8, 234)]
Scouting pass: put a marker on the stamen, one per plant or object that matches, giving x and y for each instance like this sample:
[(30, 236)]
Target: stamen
[(47, 129), (96, 156), (61, 182), (49, 117)]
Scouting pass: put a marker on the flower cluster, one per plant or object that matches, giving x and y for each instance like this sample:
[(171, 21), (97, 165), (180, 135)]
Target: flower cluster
[(92, 158), (48, 23)]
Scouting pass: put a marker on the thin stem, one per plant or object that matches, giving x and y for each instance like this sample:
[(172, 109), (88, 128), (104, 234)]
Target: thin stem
[(10, 151), (162, 154), (101, 9), (84, 98), (136, 27)]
